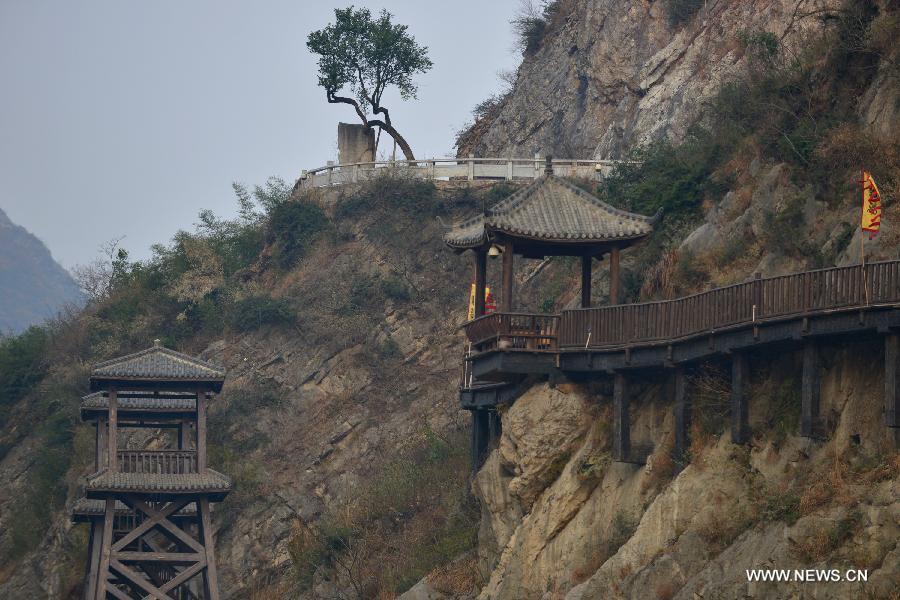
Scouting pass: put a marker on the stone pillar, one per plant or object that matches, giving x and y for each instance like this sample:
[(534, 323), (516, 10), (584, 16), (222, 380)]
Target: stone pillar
[(809, 389), (356, 143), (683, 415), (621, 419), (740, 413), (892, 380)]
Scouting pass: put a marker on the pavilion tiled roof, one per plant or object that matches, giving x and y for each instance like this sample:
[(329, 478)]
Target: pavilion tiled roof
[(98, 401), (552, 210), (157, 363), (182, 483)]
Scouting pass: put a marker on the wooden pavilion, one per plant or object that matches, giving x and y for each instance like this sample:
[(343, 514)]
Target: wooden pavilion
[(149, 510), (550, 217)]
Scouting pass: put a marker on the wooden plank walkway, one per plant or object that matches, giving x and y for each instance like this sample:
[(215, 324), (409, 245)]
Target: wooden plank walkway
[(751, 303)]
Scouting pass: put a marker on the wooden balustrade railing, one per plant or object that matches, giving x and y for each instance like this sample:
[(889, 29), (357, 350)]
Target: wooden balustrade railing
[(163, 462), (513, 331), (737, 305)]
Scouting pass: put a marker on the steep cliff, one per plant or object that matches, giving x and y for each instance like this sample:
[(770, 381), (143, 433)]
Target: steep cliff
[(33, 287)]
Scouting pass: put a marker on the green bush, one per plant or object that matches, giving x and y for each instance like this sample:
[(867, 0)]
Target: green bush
[(388, 193), (396, 289), (255, 311), (22, 366), (680, 12), (292, 229)]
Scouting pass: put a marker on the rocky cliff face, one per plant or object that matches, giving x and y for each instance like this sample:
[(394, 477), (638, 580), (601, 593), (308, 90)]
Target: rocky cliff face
[(611, 75), (33, 287)]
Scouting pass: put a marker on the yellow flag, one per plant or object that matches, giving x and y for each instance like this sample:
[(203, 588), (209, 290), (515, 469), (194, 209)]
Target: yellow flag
[(871, 206), (488, 302)]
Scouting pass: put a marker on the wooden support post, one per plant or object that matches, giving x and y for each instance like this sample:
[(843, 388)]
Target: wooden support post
[(201, 431), (586, 281), (809, 389), (211, 578), (614, 284), (621, 419), (105, 550), (101, 449), (184, 435), (740, 413), (506, 299), (892, 380), (112, 460), (94, 544), (683, 415), (480, 280), (481, 437)]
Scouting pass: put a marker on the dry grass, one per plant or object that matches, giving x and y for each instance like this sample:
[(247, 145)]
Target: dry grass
[(457, 578)]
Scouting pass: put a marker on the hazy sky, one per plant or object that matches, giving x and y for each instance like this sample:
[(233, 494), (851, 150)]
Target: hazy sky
[(126, 117)]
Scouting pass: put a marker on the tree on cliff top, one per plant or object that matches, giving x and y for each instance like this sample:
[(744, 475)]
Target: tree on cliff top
[(365, 56)]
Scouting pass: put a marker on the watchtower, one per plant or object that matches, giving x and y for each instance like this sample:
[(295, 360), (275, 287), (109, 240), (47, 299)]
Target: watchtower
[(149, 510)]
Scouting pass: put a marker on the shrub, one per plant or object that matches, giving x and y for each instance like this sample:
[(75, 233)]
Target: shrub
[(390, 191), (255, 311), (292, 229), (531, 25), (22, 366), (680, 12), (395, 288)]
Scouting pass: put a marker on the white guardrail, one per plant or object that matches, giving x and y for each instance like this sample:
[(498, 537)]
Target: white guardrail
[(469, 168)]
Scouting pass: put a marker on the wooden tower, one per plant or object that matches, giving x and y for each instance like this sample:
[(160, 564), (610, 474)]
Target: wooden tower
[(149, 510)]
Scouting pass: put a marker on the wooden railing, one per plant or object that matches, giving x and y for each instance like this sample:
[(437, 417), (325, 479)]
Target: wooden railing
[(743, 304), (163, 462), (513, 331), (470, 168)]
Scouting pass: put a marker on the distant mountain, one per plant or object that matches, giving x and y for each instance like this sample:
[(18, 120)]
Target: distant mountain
[(33, 286)]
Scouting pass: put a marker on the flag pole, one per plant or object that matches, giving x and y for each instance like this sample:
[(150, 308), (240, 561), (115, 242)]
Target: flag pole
[(862, 239)]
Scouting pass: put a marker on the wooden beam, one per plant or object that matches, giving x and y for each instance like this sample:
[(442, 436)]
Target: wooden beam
[(892, 380), (740, 413), (586, 281), (113, 428), (614, 276), (621, 419), (683, 416), (211, 580), (809, 388), (178, 558), (506, 298), (480, 280), (133, 577)]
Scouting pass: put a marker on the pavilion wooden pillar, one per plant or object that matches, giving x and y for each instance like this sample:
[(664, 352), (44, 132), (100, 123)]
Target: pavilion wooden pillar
[(101, 449), (740, 412), (683, 415), (506, 300), (112, 461), (614, 276), (201, 430), (480, 280), (586, 281), (892, 380), (621, 419), (809, 389)]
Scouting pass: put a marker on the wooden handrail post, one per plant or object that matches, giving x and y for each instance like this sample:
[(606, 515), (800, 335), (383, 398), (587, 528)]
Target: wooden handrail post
[(112, 458)]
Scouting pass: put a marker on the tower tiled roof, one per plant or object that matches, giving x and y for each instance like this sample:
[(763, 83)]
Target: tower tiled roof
[(98, 401), (552, 210), (157, 363), (209, 481)]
